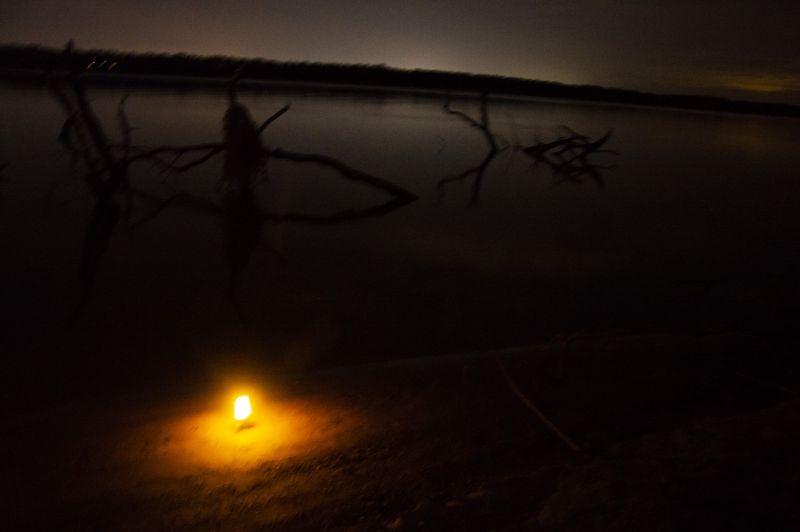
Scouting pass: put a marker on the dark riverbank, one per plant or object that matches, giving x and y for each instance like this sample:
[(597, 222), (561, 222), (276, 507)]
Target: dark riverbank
[(183, 70), (674, 432)]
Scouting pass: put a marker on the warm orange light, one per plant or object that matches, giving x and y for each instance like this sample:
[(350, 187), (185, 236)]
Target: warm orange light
[(242, 408), (198, 433)]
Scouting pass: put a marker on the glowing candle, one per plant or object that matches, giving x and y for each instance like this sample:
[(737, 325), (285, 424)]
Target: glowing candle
[(242, 408)]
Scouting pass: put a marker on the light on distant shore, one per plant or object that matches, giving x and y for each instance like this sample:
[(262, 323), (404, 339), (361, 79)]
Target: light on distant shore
[(242, 408)]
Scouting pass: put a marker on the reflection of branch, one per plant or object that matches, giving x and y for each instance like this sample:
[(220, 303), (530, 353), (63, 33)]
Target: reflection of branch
[(478, 171), (187, 200), (349, 215)]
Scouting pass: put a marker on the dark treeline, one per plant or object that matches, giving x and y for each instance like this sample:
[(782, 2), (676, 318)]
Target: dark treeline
[(112, 64)]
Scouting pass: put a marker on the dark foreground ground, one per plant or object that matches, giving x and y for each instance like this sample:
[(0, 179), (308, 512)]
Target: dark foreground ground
[(676, 433)]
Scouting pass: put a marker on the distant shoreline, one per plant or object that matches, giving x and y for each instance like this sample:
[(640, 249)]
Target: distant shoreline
[(38, 64), (188, 84)]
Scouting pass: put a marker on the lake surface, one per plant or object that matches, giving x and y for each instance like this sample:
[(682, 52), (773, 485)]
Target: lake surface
[(697, 228)]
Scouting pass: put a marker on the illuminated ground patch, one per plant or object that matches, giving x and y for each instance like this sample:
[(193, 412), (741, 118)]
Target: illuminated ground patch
[(196, 436)]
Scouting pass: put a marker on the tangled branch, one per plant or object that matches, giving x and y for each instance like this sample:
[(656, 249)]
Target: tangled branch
[(569, 156)]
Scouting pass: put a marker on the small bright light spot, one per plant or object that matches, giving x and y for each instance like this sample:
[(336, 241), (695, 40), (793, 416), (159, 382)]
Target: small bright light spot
[(242, 408)]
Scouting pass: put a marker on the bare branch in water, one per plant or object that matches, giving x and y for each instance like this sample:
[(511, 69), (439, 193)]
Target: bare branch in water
[(65, 137), (479, 170), (349, 215), (244, 155), (345, 170), (147, 152), (177, 152), (197, 162), (115, 169), (73, 132), (127, 133), (182, 199), (124, 126), (105, 179), (273, 118), (569, 157), (483, 125)]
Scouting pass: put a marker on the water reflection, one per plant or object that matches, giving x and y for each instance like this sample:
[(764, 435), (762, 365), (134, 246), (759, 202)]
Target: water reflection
[(533, 260), (245, 170)]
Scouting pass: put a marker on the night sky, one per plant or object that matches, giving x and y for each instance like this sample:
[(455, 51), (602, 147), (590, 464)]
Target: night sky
[(736, 48)]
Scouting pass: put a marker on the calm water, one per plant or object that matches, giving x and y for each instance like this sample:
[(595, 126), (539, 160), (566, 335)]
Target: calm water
[(697, 228)]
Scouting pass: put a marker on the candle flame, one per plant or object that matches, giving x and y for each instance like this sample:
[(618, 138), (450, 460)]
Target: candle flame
[(242, 408)]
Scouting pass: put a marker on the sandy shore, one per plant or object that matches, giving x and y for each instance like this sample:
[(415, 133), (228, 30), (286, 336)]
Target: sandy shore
[(674, 433)]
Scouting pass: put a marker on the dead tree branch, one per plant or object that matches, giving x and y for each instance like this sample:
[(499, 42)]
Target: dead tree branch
[(107, 175), (483, 126), (73, 136), (211, 149), (273, 118), (346, 172), (177, 152), (477, 171), (124, 126), (568, 157)]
